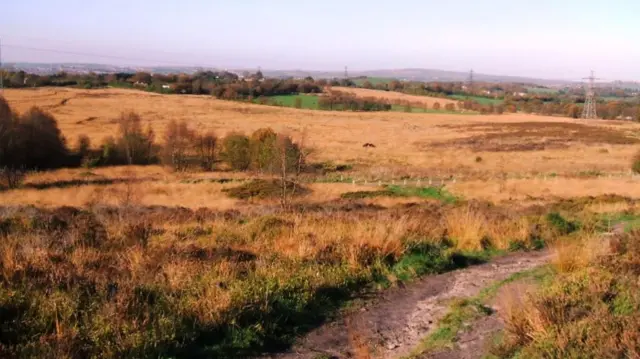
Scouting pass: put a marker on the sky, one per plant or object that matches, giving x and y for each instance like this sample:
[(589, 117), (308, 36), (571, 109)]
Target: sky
[(556, 39)]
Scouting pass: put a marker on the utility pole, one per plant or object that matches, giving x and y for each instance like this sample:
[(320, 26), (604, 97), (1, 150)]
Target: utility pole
[(346, 73), (470, 82), (589, 111)]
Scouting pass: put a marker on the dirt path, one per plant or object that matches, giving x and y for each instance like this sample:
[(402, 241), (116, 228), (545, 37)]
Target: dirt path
[(396, 322)]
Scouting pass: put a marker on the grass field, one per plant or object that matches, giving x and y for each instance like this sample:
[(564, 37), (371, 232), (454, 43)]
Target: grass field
[(308, 101), (393, 96), (140, 261), (479, 99), (406, 144)]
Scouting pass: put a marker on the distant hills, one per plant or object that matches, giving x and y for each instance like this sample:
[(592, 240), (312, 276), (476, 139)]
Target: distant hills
[(420, 75), (410, 74)]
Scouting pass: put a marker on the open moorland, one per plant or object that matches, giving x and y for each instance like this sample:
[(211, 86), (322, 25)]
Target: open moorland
[(150, 261)]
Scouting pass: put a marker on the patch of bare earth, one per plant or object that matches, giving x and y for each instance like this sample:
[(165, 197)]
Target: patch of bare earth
[(392, 325)]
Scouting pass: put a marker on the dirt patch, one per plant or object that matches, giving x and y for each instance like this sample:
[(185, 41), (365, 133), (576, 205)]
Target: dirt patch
[(396, 322), (531, 136)]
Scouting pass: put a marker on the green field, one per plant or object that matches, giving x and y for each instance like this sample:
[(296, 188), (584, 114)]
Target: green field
[(308, 101), (478, 99)]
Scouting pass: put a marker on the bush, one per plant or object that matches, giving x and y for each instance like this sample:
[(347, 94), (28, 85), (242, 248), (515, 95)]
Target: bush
[(109, 154), (30, 141), (184, 148), (207, 151), (11, 177), (561, 225), (236, 151), (635, 165), (264, 150), (178, 143), (136, 145), (264, 189)]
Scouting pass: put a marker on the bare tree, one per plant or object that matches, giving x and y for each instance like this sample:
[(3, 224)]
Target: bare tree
[(292, 159)]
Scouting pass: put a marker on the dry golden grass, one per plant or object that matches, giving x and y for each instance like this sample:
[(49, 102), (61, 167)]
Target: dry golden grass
[(522, 189), (405, 143), (393, 96), (573, 255)]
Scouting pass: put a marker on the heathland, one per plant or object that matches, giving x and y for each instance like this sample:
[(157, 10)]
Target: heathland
[(166, 261)]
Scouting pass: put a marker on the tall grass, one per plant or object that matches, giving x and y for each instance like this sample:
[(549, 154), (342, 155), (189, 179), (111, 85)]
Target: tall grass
[(590, 310), (148, 282)]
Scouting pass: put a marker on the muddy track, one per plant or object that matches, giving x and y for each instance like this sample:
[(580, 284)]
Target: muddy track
[(395, 323)]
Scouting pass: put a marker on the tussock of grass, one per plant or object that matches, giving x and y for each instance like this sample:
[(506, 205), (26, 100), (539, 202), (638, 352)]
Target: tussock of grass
[(264, 189), (590, 310)]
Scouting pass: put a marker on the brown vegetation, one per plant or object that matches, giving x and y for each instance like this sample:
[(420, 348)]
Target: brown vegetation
[(535, 136), (589, 311)]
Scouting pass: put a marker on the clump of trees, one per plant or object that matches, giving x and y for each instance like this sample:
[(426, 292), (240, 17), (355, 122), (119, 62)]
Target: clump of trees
[(31, 141), (185, 148), (340, 101), (265, 151)]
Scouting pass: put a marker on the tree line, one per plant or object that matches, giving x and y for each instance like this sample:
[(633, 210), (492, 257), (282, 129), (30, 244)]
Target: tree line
[(32, 141)]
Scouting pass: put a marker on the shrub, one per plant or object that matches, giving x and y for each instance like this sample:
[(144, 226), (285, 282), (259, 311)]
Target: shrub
[(207, 151), (11, 177), (30, 141), (184, 148), (236, 151), (178, 143), (264, 189), (109, 153), (436, 106), (264, 150), (136, 145), (635, 165), (561, 225)]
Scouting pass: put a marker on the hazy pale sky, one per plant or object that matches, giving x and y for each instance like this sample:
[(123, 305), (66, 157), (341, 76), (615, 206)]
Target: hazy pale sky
[(561, 39)]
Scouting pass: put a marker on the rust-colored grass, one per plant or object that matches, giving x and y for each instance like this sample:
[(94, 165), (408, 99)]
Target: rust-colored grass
[(406, 144)]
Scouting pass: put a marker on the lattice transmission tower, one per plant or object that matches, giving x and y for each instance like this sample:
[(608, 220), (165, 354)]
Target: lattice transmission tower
[(589, 111)]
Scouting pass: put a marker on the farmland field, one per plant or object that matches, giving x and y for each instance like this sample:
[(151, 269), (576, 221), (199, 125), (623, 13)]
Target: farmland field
[(144, 261), (481, 100), (396, 96), (308, 101)]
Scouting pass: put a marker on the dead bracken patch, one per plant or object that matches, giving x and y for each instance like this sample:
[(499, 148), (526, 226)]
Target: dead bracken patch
[(532, 136)]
